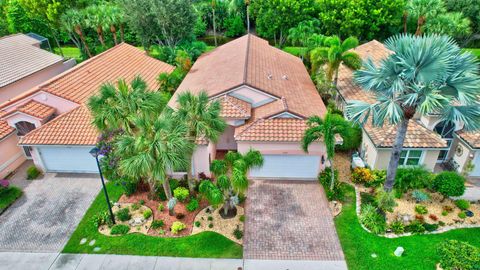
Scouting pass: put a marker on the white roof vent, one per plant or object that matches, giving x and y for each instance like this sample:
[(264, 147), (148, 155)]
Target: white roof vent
[(269, 76), (285, 77)]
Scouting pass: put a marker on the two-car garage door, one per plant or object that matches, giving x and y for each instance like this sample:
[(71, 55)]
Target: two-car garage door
[(67, 159), (288, 167)]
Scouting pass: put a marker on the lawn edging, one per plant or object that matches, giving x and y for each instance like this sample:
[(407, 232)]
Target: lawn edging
[(443, 229)]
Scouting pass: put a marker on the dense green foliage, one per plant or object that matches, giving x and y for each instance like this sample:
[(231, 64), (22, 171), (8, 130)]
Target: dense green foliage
[(359, 245), (33, 172), (207, 244), (8, 196), (119, 229), (458, 255), (449, 184), (412, 178)]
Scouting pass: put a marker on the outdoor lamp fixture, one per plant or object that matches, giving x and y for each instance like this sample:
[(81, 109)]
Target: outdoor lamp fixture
[(95, 152)]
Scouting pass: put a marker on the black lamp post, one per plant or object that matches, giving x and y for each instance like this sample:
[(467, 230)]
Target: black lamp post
[(95, 152)]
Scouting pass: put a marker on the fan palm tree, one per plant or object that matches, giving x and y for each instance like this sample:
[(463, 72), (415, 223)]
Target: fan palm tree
[(231, 173), (202, 119), (424, 75), (325, 129), (96, 18), (113, 16), (333, 54), (157, 146), (73, 21), (116, 107)]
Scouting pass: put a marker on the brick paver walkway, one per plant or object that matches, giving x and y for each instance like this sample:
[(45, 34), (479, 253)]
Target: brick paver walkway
[(289, 221)]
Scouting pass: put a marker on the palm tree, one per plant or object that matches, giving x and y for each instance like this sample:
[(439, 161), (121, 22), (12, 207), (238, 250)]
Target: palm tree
[(231, 173), (424, 75), (73, 21), (202, 119), (113, 16), (421, 10), (335, 53), (214, 4), (158, 146), (325, 129), (96, 18), (301, 34), (116, 107)]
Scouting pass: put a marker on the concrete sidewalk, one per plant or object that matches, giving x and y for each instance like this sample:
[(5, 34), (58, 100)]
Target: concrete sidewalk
[(56, 261)]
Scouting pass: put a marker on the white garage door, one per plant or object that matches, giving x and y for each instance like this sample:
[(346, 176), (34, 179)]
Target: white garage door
[(68, 159), (476, 169), (288, 167)]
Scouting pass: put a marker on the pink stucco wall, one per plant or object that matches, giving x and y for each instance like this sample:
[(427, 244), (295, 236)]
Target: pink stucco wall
[(14, 89), (11, 155)]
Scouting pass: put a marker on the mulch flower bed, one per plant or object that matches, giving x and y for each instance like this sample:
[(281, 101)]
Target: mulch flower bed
[(180, 208)]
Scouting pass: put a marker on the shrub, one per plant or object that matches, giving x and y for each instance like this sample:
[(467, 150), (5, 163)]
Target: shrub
[(420, 218), (177, 226), (242, 218), (119, 229), (372, 220), (458, 255), (433, 217), (33, 172), (161, 207), (200, 27), (197, 224), (367, 198), (430, 227), (448, 208), (128, 186), (102, 219), (234, 27), (449, 184), (158, 223), (209, 218), (462, 204), (420, 196), (147, 213), (412, 178), (462, 215), (325, 178), (421, 209), (141, 202), (210, 225), (238, 233), (135, 206), (192, 205), (352, 138), (181, 193), (379, 177), (415, 227), (362, 176), (397, 227), (123, 214), (385, 200), (444, 213)]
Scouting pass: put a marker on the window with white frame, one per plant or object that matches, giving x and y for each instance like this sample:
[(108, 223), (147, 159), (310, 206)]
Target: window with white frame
[(410, 157)]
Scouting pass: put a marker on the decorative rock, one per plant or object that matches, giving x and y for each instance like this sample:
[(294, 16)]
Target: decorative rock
[(92, 242), (399, 251), (407, 218), (374, 255), (469, 213), (136, 221), (97, 249), (83, 241)]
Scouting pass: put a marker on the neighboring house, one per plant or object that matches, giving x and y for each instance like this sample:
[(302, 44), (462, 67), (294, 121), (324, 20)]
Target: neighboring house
[(23, 65), (266, 97), (429, 142), (62, 143)]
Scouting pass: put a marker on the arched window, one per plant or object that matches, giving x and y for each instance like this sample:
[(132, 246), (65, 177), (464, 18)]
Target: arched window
[(23, 127), (445, 129)]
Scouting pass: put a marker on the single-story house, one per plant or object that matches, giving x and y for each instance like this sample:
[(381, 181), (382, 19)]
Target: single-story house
[(430, 141), (23, 65), (266, 96), (52, 120)]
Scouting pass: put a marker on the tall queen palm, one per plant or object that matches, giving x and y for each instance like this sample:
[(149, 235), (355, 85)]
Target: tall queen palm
[(157, 146), (424, 75)]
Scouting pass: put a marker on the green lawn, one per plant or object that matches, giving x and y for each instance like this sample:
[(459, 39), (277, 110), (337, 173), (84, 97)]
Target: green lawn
[(475, 51), (70, 52), (207, 244), (420, 250), (9, 196), (293, 50)]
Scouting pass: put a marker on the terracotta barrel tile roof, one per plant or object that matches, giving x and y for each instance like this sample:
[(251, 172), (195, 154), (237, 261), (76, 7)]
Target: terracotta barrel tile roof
[(5, 129), (472, 138), (418, 136), (71, 128), (234, 108), (251, 61), (37, 109), (272, 130)]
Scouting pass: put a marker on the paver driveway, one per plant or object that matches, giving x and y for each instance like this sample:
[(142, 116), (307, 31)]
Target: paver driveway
[(43, 219), (289, 220)]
